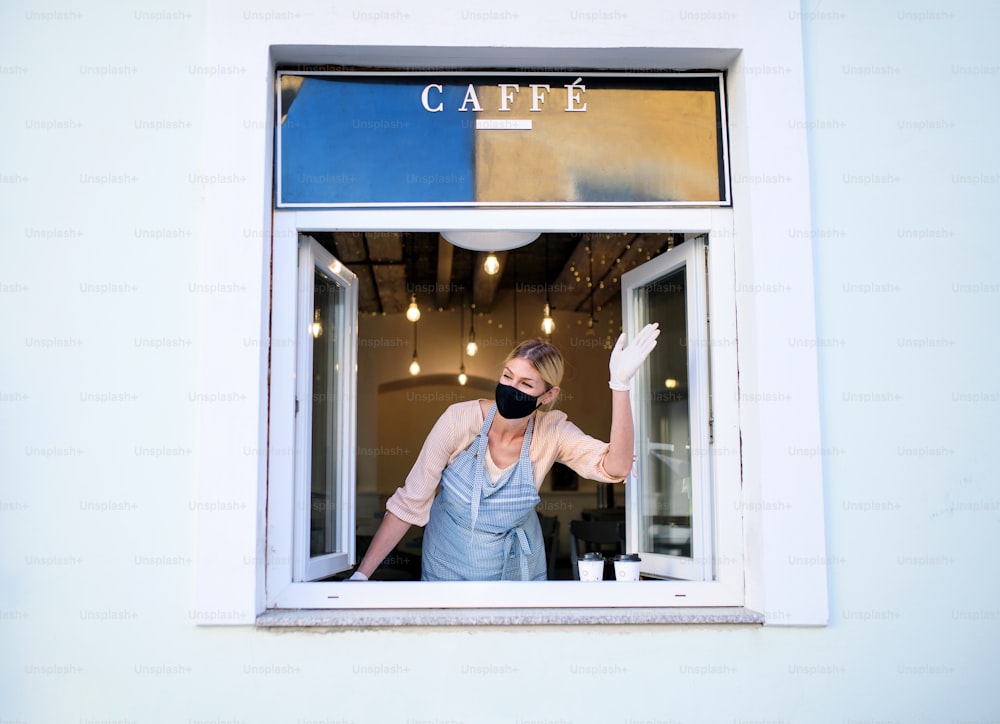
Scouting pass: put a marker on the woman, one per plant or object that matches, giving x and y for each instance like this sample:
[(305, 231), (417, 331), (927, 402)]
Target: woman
[(489, 460)]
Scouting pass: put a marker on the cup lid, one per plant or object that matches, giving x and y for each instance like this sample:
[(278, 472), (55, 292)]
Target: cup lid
[(592, 556), (628, 557)]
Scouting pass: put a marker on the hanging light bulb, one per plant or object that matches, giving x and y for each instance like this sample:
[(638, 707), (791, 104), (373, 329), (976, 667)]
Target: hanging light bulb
[(548, 324), (414, 365), (462, 377), (471, 348), (492, 264), (316, 328), (413, 311)]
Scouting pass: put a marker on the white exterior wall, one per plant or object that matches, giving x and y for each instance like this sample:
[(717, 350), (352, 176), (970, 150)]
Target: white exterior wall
[(134, 194)]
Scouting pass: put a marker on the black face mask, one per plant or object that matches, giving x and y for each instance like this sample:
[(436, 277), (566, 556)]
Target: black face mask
[(514, 404)]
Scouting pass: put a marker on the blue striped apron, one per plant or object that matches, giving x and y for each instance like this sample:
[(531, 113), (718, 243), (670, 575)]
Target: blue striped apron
[(479, 531)]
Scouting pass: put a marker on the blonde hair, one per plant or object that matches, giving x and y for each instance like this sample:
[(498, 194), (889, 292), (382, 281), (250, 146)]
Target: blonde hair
[(544, 357)]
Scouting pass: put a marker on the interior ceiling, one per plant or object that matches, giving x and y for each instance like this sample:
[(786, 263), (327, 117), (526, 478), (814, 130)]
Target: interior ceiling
[(393, 265)]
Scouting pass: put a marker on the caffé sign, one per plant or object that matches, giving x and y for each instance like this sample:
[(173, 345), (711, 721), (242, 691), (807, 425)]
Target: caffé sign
[(367, 139), (539, 93)]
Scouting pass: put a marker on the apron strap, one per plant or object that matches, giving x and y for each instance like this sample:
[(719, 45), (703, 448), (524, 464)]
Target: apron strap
[(479, 469), (526, 444), (479, 475)]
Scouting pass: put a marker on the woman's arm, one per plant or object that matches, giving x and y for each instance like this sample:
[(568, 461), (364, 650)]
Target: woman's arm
[(618, 461), (412, 502), (390, 531), (625, 362)]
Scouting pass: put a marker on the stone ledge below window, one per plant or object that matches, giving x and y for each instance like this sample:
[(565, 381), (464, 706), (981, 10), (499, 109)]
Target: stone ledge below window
[(372, 618)]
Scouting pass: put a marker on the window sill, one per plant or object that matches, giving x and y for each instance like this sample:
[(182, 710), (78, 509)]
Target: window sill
[(368, 618)]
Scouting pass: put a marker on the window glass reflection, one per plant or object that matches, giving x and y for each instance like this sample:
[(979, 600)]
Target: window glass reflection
[(665, 502), (323, 511)]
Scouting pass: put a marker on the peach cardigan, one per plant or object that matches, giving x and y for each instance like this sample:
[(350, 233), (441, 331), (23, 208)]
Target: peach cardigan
[(555, 439)]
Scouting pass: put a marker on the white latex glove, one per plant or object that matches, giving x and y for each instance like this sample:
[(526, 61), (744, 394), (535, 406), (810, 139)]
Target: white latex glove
[(358, 576), (625, 361)]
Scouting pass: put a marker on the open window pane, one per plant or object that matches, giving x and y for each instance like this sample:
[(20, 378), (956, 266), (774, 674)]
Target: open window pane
[(325, 414), (669, 512)]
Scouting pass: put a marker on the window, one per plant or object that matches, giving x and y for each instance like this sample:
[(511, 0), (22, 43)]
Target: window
[(680, 500)]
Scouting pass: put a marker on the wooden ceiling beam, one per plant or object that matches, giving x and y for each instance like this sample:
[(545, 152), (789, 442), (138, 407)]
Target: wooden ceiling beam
[(384, 252), (445, 262), (390, 279), (350, 247), (384, 246)]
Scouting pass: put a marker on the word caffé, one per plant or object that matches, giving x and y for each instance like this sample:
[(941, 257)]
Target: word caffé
[(431, 101)]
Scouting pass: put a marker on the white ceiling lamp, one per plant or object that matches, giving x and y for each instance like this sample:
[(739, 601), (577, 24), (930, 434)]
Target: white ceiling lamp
[(491, 241)]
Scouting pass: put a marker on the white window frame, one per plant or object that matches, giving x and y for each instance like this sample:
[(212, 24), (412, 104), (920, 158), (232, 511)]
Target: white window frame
[(314, 258), (284, 592), (689, 256)]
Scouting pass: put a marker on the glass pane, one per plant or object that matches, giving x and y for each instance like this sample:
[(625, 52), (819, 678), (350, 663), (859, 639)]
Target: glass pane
[(322, 528), (665, 503)]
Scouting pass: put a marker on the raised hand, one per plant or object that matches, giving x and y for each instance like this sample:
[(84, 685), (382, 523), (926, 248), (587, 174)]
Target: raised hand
[(625, 361)]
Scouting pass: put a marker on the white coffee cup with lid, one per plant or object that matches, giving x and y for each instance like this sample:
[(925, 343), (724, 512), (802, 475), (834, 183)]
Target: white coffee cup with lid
[(627, 567), (591, 567)]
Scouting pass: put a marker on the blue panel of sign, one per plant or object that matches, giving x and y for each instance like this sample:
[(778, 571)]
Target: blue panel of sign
[(359, 141)]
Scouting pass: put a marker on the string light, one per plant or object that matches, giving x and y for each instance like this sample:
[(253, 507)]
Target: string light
[(590, 283)]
